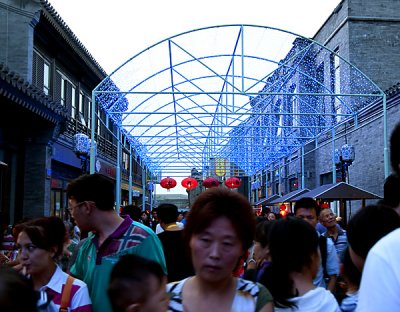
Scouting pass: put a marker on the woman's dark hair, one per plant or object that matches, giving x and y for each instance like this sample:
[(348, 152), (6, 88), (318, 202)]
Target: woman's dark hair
[(262, 232), (220, 202), (369, 225), (350, 271), (45, 233), (292, 244)]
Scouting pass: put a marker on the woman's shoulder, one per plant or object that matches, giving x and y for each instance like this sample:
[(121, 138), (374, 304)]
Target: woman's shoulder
[(249, 286), (176, 287), (251, 295), (174, 291)]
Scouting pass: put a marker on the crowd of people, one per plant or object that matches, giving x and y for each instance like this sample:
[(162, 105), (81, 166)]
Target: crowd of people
[(218, 257)]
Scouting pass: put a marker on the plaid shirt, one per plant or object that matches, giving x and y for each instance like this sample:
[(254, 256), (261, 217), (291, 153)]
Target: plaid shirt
[(340, 242)]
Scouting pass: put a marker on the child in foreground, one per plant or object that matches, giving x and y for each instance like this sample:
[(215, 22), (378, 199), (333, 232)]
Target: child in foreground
[(137, 284)]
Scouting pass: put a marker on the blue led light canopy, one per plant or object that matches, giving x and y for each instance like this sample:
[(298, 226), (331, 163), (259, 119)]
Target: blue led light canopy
[(248, 95)]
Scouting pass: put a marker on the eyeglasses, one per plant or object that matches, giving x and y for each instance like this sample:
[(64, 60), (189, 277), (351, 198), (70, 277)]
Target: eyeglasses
[(70, 209)]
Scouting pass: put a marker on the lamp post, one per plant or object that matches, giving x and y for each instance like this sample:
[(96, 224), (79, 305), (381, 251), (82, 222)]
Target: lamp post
[(82, 144), (343, 159)]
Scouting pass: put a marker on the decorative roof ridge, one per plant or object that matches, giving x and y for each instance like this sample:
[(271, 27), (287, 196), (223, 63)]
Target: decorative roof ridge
[(30, 90), (393, 90), (50, 11)]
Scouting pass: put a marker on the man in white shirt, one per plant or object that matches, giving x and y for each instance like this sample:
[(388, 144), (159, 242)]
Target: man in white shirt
[(380, 282)]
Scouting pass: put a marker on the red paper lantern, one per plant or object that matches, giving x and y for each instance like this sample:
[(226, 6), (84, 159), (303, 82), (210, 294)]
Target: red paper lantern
[(168, 183), (189, 183), (325, 205), (233, 182), (210, 182)]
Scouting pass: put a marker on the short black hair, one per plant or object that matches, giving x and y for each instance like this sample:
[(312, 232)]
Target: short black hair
[(131, 210), (129, 281), (167, 213), (369, 225), (93, 187), (307, 203), (391, 191), (395, 149)]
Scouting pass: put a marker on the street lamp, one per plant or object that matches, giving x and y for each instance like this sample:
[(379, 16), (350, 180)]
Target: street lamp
[(82, 144), (344, 157)]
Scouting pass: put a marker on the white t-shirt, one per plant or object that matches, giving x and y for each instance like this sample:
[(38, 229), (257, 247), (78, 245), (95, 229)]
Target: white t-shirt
[(159, 228), (316, 300), (380, 282)]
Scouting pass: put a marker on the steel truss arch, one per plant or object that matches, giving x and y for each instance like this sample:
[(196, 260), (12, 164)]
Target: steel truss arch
[(246, 94)]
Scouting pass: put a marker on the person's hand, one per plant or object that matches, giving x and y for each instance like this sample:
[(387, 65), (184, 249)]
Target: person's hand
[(251, 264), (16, 265), (66, 252)]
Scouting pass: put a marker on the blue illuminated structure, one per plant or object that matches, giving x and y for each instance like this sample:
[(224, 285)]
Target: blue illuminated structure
[(250, 95)]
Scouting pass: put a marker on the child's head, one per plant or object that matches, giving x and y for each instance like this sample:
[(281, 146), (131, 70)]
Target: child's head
[(137, 284)]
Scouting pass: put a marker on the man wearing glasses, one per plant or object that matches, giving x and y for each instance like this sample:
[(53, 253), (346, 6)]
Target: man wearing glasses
[(91, 203)]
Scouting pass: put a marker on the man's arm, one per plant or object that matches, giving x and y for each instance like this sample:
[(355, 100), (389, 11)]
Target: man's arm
[(332, 283), (332, 265)]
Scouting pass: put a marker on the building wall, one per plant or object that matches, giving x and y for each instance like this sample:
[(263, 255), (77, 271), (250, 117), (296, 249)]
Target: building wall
[(17, 22), (368, 35)]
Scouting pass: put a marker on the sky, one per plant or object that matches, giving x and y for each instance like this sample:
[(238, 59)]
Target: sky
[(114, 31)]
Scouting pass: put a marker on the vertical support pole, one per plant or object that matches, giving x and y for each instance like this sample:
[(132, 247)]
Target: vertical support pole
[(256, 190), (303, 182), (280, 177), (118, 173), (335, 206), (130, 175), (249, 189), (92, 125), (155, 198), (242, 41), (151, 194), (385, 138), (333, 157), (143, 186)]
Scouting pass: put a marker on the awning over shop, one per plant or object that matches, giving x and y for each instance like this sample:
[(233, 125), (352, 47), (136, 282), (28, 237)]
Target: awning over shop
[(289, 196), (338, 191), (267, 200)]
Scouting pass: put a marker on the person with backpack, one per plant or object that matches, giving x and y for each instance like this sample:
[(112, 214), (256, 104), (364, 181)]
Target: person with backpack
[(308, 209)]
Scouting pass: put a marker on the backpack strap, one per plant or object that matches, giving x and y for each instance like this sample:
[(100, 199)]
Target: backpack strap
[(323, 250), (66, 294)]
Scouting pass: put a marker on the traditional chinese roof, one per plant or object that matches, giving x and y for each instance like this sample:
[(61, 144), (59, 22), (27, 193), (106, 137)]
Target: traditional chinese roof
[(15, 88)]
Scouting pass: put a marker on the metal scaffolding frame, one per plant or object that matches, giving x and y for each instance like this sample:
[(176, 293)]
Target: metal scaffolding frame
[(245, 94)]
